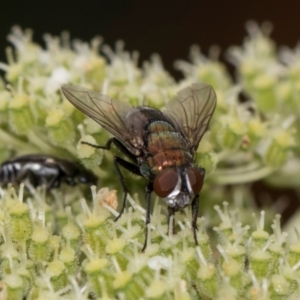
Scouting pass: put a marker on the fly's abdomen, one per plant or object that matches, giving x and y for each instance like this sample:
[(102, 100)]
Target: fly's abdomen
[(166, 147)]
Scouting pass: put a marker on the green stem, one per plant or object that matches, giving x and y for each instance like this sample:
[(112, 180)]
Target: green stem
[(37, 141), (233, 176), (13, 142)]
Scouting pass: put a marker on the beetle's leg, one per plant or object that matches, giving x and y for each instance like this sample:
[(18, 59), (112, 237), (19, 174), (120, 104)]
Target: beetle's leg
[(195, 208), (118, 144), (149, 189), (131, 168), (27, 175), (53, 183)]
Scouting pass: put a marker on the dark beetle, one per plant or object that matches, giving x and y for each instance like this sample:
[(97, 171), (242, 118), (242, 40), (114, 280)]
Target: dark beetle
[(160, 144), (45, 170)]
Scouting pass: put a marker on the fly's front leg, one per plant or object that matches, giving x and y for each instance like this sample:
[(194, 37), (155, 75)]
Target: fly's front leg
[(117, 143), (131, 168), (171, 212), (118, 161), (149, 189), (195, 208)]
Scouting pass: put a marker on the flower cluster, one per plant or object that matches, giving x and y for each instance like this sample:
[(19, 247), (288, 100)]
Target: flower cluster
[(71, 248), (93, 255)]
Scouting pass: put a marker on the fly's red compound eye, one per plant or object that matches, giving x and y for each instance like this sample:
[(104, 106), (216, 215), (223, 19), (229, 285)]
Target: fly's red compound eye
[(165, 182), (195, 179)]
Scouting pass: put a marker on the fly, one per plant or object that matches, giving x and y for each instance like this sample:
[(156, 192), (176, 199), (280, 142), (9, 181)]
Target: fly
[(45, 170), (160, 144)]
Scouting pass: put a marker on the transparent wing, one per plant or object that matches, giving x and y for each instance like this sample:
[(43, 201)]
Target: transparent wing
[(191, 110), (109, 113)]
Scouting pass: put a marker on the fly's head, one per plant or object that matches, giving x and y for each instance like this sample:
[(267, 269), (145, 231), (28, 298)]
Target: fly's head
[(178, 186)]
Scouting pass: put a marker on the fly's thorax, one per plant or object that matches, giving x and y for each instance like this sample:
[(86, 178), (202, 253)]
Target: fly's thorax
[(178, 186), (161, 126), (137, 122)]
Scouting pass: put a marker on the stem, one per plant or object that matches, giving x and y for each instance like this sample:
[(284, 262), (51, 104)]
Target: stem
[(37, 141), (241, 176), (13, 142)]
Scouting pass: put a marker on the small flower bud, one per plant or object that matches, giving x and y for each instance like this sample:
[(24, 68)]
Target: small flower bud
[(264, 93), (234, 270), (280, 287), (20, 223), (188, 258), (90, 156), (116, 247), (96, 269), (231, 132), (27, 279), (259, 239), (57, 272), (277, 152), (121, 280), (96, 69), (156, 290), (207, 160), (294, 254), (13, 286), (5, 97), (260, 263), (9, 256), (72, 234), (95, 232), (21, 119), (14, 71), (60, 129), (68, 257), (256, 130), (208, 280), (39, 249)]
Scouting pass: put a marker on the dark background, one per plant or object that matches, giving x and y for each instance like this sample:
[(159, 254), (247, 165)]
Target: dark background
[(166, 27)]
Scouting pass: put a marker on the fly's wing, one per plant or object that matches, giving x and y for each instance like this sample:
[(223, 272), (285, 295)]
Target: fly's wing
[(191, 110), (109, 113)]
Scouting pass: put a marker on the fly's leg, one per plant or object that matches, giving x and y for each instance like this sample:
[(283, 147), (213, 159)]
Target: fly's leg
[(120, 161), (117, 143), (131, 168), (171, 212), (195, 208), (149, 189)]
